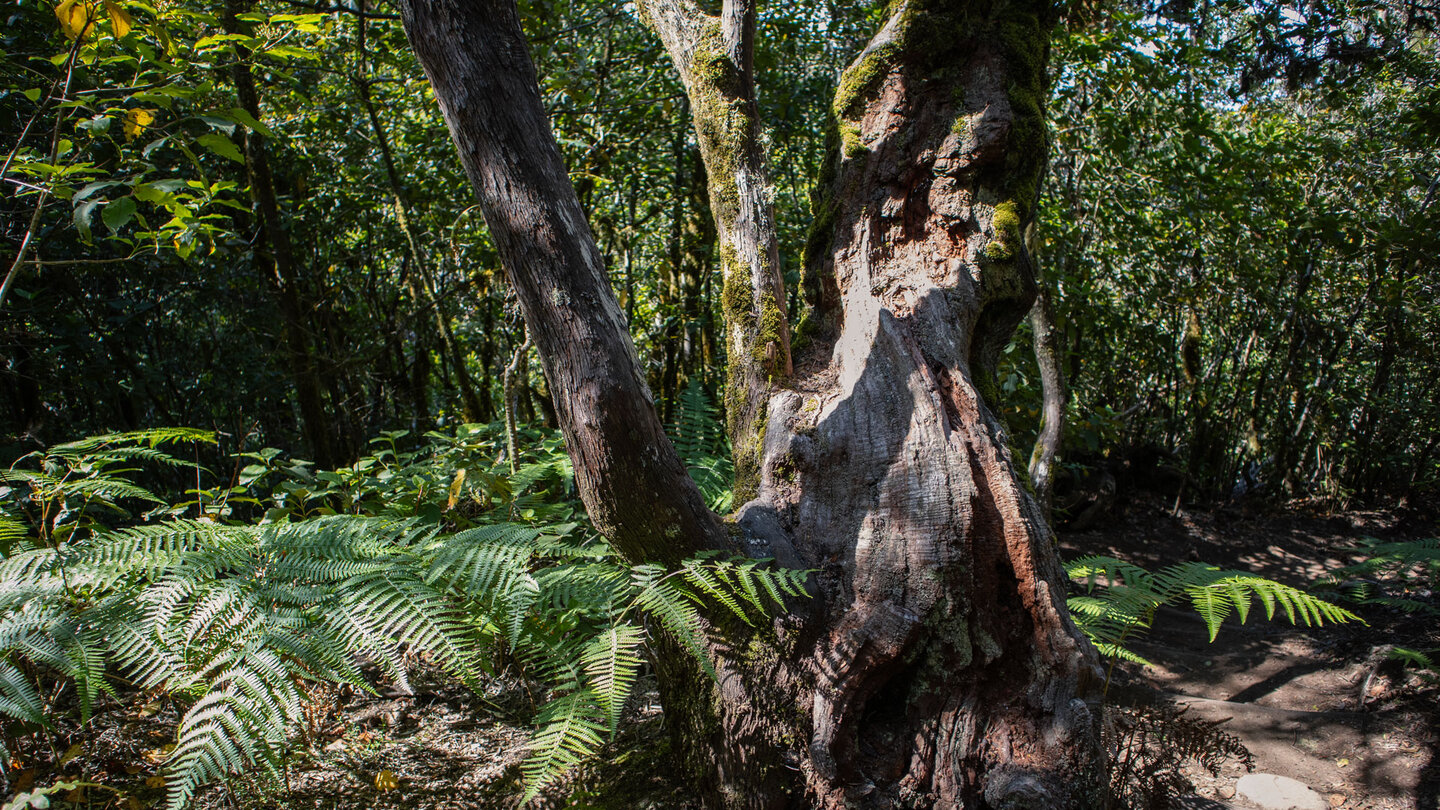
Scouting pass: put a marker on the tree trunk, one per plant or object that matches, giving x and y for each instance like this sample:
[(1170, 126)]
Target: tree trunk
[(634, 486), (1054, 396), (936, 665), (714, 57), (303, 376)]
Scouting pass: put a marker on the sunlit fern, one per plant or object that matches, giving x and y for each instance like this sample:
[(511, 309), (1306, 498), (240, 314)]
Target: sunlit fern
[(1401, 568), (1120, 599), (232, 620)]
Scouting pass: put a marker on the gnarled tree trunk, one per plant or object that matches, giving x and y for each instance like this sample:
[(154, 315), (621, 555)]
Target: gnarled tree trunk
[(936, 665)]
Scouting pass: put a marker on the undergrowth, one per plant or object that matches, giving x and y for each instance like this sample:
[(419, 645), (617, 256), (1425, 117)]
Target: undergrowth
[(230, 599)]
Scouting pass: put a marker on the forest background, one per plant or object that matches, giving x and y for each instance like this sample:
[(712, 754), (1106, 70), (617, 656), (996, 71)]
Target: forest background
[(1237, 234), (249, 220)]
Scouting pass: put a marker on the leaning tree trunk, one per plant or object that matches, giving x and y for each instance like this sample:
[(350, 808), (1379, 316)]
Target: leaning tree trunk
[(936, 665)]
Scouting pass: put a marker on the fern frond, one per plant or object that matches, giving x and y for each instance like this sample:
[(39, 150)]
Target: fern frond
[(483, 559), (570, 731), (711, 579), (18, 698), (152, 437), (675, 608), (612, 663)]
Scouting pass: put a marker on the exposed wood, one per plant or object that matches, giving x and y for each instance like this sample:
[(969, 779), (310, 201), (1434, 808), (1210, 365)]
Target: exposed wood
[(938, 666)]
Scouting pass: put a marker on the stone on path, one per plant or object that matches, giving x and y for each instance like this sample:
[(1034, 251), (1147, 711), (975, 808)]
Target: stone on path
[(1270, 792)]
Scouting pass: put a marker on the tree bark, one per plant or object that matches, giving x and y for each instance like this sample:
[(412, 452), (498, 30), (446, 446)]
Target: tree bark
[(1054, 396), (475, 55), (945, 670), (715, 59), (936, 665)]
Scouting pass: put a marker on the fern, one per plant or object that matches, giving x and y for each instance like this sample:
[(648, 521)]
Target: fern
[(1121, 598), (699, 436), (612, 663), (232, 619), (1402, 567), (571, 730)]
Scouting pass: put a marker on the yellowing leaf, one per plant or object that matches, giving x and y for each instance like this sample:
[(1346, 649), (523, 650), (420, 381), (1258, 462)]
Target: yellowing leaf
[(136, 121), (455, 488), (137, 803), (76, 17), (71, 754), (155, 782), (385, 780), (120, 21)]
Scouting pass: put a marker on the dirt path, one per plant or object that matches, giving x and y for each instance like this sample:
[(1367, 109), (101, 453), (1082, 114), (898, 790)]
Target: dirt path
[(1320, 705)]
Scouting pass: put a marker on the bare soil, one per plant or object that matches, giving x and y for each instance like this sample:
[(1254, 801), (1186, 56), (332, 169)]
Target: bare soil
[(1321, 705)]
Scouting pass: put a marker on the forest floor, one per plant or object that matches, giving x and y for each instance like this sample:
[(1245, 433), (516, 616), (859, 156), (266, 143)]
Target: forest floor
[(1318, 705)]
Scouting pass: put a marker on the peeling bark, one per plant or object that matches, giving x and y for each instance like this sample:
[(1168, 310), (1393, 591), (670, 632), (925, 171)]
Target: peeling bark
[(938, 667)]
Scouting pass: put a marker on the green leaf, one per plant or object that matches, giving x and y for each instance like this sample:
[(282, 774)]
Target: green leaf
[(118, 213), (241, 116), (82, 215), (221, 145)]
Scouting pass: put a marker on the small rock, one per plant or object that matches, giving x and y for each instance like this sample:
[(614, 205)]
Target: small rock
[(1270, 792), (1225, 791), (1336, 800)]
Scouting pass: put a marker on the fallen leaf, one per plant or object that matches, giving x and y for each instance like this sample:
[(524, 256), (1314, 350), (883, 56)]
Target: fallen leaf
[(25, 780), (71, 754), (385, 780), (76, 796), (1342, 762), (155, 782), (144, 119)]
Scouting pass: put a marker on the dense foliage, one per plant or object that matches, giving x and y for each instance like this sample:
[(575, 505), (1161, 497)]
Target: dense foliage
[(1237, 233), (442, 555), (247, 217)]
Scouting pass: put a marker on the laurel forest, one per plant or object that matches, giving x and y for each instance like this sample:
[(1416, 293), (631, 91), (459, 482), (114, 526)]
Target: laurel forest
[(676, 404)]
